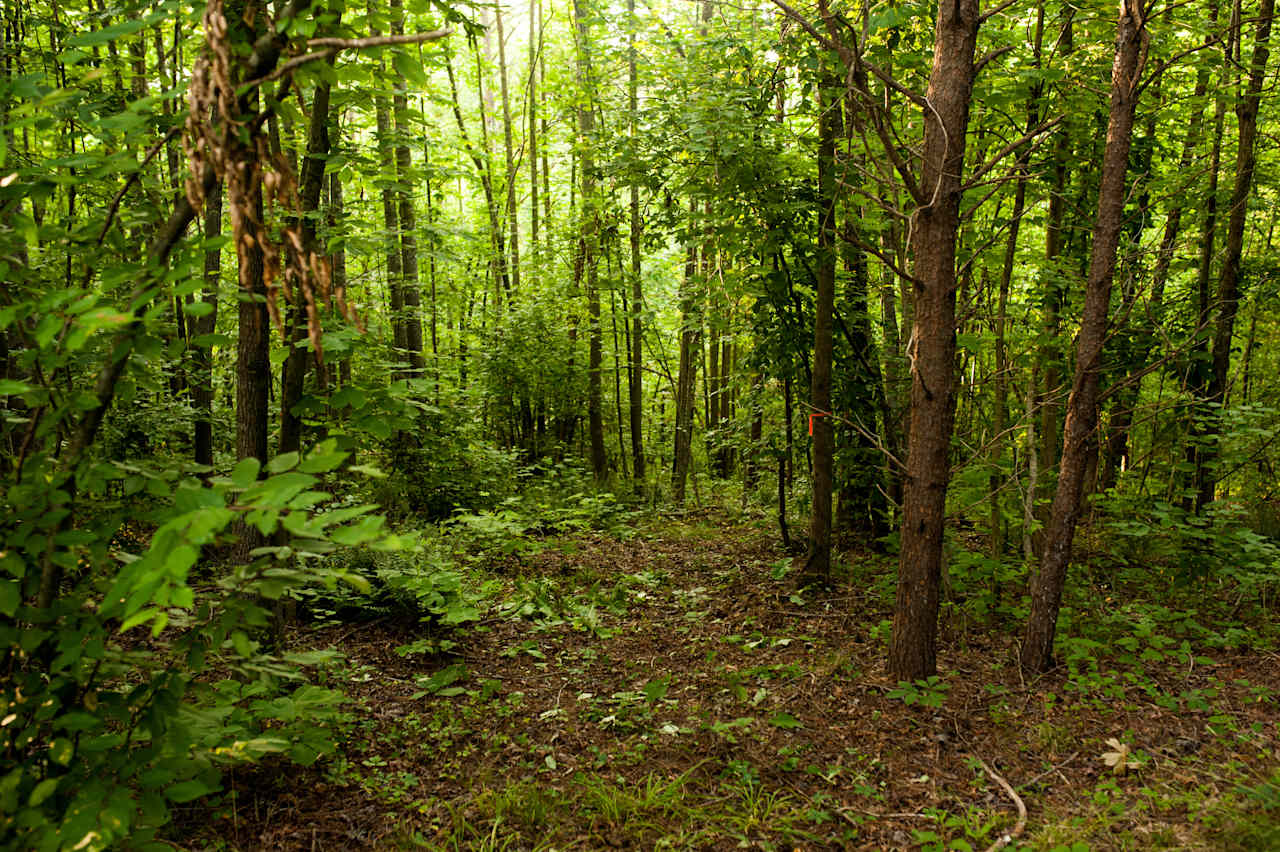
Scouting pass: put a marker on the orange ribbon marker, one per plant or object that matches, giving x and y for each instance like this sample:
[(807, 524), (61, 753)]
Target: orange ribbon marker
[(811, 418)]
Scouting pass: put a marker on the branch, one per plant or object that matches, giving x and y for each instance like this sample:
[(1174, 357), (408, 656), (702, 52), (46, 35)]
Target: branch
[(378, 41), (1009, 149), (988, 15), (1021, 825), (991, 57)]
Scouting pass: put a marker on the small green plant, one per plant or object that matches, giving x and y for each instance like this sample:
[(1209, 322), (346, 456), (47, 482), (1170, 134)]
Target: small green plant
[(929, 692)]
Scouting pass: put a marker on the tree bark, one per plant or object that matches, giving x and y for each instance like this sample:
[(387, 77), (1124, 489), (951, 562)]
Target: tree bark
[(817, 564), (406, 216), (590, 237), (636, 389), (1228, 296), (293, 372), (1079, 433), (913, 651)]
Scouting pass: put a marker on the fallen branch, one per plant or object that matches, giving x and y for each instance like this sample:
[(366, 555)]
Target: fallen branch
[(1021, 826)]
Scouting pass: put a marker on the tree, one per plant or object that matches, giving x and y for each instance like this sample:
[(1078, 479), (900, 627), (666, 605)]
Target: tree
[(1079, 441)]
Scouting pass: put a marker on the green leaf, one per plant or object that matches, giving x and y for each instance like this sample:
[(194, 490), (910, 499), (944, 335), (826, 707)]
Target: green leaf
[(138, 617), (61, 751), (42, 791), (246, 472), (409, 68), (197, 309), (282, 462), (785, 721), (654, 690), (187, 791), (11, 387), (10, 597)]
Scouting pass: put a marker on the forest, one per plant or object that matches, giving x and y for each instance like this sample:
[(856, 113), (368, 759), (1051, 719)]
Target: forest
[(639, 425)]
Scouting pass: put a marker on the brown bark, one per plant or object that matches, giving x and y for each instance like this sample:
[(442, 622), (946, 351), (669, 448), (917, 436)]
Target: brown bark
[(1079, 438), (590, 237), (293, 372), (202, 388), (936, 222), (1228, 296), (817, 565), (410, 290), (690, 337), (636, 389)]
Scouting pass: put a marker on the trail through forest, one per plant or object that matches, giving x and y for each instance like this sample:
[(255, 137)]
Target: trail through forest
[(672, 689)]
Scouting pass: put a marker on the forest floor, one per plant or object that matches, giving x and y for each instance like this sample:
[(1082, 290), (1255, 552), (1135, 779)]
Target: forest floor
[(670, 690)]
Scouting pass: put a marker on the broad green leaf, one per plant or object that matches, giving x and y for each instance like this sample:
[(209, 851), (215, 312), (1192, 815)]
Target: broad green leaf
[(246, 472), (282, 462)]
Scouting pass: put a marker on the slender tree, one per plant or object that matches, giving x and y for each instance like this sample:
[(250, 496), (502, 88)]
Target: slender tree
[(1079, 439)]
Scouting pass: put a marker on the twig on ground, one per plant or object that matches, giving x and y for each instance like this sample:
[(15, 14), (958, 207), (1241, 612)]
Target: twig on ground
[(1021, 826)]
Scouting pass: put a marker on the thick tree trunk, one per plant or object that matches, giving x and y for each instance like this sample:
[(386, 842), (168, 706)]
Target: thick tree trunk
[(391, 224), (1079, 437), (913, 651), (406, 217)]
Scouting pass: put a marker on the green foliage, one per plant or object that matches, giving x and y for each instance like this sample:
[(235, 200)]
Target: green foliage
[(929, 692), (440, 462), (105, 725)]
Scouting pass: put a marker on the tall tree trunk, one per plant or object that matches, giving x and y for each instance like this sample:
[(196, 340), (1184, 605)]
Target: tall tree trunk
[(1117, 446), (690, 334), (410, 291), (253, 346), (294, 370), (202, 392), (1079, 440), (1228, 297), (391, 223), (817, 564), (913, 651), (1000, 417), (513, 222), (590, 237), (535, 12), (636, 390)]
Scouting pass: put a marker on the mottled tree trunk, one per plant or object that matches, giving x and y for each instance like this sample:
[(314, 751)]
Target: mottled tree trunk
[(1079, 441), (931, 353)]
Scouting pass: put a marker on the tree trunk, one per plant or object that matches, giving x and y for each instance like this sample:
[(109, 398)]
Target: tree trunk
[(817, 565), (913, 651), (1228, 297), (690, 335), (1000, 417), (513, 222), (590, 237), (202, 392), (636, 412), (1079, 438), (294, 370), (410, 292)]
